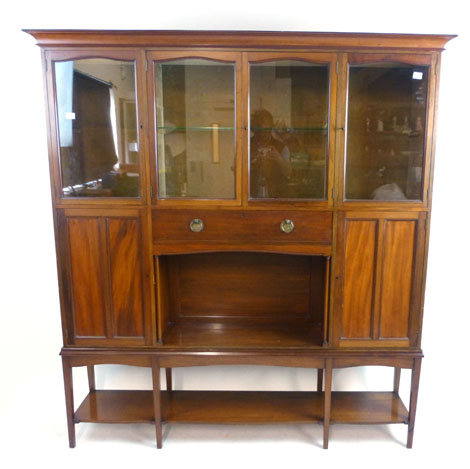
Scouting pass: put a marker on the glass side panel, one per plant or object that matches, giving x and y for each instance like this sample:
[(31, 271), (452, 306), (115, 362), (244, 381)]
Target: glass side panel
[(386, 132), (195, 109), (289, 116), (98, 136)]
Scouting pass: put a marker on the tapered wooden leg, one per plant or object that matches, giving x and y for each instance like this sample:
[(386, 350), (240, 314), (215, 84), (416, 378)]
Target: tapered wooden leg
[(157, 400), (327, 403), (68, 385), (396, 380), (169, 385), (91, 377), (413, 400), (320, 379)]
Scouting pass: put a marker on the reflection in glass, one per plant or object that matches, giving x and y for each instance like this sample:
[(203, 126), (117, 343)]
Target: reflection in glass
[(289, 103), (96, 109), (195, 108), (386, 132)]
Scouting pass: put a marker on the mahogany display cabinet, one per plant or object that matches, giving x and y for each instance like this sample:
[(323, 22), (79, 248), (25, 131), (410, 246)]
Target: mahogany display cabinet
[(241, 198)]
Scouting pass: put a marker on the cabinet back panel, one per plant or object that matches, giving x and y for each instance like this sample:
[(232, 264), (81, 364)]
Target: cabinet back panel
[(247, 286), (87, 276)]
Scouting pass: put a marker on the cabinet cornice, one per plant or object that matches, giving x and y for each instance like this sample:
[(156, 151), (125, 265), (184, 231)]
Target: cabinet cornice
[(246, 39)]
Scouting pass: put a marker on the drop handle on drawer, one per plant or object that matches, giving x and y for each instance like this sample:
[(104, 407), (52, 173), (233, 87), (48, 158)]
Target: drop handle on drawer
[(287, 226), (196, 225)]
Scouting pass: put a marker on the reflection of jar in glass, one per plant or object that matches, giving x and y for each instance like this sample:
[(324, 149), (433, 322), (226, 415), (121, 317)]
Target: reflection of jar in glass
[(380, 125), (413, 183), (419, 95), (406, 124), (419, 124), (263, 188)]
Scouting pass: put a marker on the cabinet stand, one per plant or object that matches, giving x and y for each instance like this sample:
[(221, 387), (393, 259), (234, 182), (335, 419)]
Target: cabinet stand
[(166, 406)]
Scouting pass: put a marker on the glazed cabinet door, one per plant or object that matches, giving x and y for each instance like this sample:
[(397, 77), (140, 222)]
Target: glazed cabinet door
[(378, 279), (195, 108), (291, 100), (105, 277), (388, 122), (97, 120)]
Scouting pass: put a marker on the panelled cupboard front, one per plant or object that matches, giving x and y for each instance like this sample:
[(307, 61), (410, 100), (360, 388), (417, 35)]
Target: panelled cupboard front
[(245, 198)]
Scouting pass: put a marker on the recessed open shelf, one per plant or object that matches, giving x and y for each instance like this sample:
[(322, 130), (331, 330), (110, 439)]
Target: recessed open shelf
[(242, 335), (246, 299)]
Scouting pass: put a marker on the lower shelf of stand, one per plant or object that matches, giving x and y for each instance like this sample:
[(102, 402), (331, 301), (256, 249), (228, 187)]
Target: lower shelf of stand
[(367, 407), (255, 407), (242, 407)]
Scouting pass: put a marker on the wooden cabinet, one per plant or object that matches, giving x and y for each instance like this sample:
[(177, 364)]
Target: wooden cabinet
[(228, 198)]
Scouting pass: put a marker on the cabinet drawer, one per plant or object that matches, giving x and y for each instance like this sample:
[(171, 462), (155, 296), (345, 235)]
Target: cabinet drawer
[(241, 225)]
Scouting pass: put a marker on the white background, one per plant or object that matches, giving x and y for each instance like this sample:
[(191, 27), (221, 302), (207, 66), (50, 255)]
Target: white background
[(32, 411)]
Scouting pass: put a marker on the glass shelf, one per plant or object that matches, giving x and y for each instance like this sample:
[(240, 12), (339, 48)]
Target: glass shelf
[(210, 127), (292, 129), (275, 129)]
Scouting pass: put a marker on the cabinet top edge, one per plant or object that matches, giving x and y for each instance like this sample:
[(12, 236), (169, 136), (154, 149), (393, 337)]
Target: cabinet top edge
[(195, 38)]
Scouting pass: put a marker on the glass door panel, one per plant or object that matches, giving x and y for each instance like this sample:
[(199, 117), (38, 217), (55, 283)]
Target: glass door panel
[(97, 127), (386, 122), (289, 139), (195, 128)]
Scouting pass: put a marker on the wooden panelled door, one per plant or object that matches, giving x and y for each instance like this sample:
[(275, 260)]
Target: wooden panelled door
[(105, 273), (378, 279)]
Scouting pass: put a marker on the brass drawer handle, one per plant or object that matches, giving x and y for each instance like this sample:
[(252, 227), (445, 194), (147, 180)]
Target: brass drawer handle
[(287, 226), (196, 225)]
